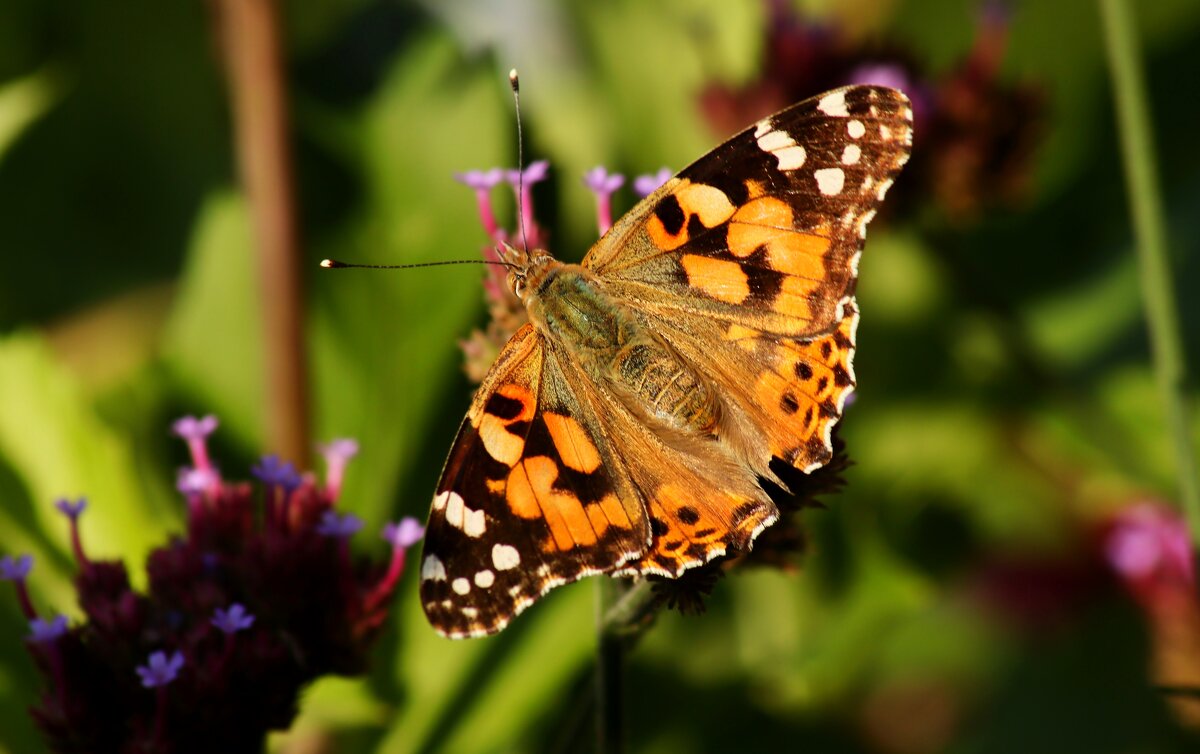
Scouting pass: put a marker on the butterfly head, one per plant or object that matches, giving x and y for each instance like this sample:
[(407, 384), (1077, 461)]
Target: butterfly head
[(527, 269)]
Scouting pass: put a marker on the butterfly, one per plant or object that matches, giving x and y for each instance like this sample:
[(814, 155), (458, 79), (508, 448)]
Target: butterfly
[(628, 428)]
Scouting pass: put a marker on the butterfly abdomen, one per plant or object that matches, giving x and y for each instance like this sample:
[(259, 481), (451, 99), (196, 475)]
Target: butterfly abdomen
[(615, 347)]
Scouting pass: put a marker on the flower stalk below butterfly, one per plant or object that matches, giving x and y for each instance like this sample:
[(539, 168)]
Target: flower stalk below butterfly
[(259, 597)]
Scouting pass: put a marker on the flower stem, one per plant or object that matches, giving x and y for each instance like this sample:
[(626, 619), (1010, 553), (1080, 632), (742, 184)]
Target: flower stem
[(610, 650), (250, 37), (1146, 208)]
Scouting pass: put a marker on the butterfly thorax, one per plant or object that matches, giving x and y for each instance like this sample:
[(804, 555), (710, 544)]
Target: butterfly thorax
[(569, 306)]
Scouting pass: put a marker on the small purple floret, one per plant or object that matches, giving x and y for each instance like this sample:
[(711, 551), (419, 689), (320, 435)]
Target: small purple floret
[(480, 180), (340, 526), (601, 181), (232, 619), (404, 534), (15, 569), (69, 509), (342, 449), (1150, 540), (535, 172), (273, 471), (645, 185), (160, 670), (191, 481), (42, 630), (191, 428)]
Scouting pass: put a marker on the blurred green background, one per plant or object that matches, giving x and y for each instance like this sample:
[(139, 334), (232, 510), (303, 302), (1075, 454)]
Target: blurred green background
[(1005, 407)]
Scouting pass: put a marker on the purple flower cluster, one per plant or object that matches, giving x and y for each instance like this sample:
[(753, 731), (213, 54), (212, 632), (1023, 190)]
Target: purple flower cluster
[(259, 597)]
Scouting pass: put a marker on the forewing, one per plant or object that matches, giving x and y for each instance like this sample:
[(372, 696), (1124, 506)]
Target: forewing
[(746, 261)]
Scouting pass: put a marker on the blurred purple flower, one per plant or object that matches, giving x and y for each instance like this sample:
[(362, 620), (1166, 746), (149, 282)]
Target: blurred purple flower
[(1149, 548), (337, 455), (603, 183), (273, 471), (41, 630), (160, 670), (482, 182), (339, 526), (15, 569), (232, 619), (404, 534), (645, 185), (69, 509)]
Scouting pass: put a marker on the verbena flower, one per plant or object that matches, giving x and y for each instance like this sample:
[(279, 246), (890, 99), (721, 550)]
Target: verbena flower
[(1148, 547), (603, 183), (338, 526), (160, 669), (232, 619), (271, 470), (241, 611), (647, 184), (337, 455), (42, 630)]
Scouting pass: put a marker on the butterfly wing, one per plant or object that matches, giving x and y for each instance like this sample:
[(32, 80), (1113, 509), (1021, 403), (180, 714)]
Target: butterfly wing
[(530, 497), (746, 263)]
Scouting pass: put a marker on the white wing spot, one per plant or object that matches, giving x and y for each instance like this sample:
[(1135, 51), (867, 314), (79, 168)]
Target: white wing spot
[(790, 154), (433, 569), (470, 612), (885, 133), (484, 579), (830, 180), (460, 585), (856, 129), (459, 515), (505, 557), (439, 500), (454, 510), (473, 524), (791, 157), (883, 188), (834, 104), (762, 127), (773, 140), (851, 154)]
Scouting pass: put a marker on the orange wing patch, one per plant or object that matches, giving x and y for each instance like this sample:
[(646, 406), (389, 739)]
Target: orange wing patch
[(723, 280), (675, 219), (805, 391), (691, 529)]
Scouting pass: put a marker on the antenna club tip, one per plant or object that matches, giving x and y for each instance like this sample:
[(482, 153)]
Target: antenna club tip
[(513, 80), (329, 264)]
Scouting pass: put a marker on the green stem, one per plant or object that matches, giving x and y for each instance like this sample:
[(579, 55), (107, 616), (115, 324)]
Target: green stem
[(1145, 202), (610, 650)]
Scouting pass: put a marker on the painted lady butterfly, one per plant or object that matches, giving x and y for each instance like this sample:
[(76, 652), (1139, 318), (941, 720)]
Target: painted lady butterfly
[(627, 428)]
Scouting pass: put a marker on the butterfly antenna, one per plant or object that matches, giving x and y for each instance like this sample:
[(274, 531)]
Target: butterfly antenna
[(333, 264), (515, 83)]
